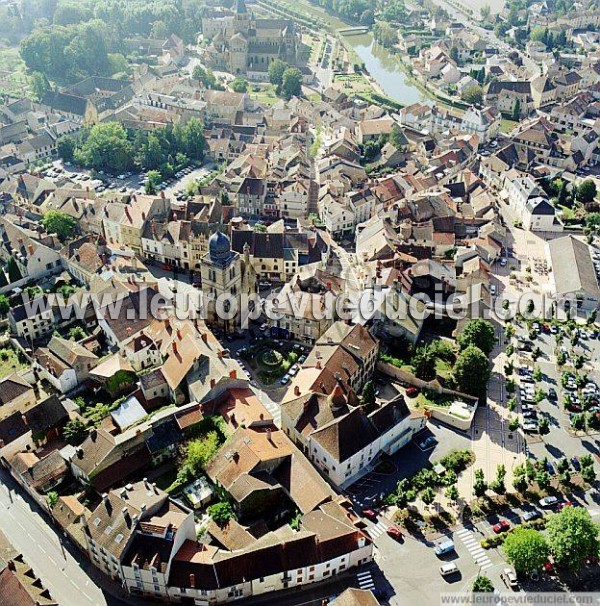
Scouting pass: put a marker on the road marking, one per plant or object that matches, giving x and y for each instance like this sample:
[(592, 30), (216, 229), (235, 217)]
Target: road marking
[(365, 580), (377, 530), (474, 548)]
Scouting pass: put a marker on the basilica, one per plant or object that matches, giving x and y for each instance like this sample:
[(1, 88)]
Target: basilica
[(242, 44)]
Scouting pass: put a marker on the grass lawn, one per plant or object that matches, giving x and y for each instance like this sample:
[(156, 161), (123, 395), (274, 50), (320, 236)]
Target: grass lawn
[(9, 362), (265, 95), (507, 125), (13, 79), (428, 399)]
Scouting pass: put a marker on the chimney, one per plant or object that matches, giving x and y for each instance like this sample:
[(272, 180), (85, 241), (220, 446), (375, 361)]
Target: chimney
[(162, 194), (143, 216), (233, 374), (179, 335), (318, 364), (143, 507), (212, 383), (269, 437), (11, 565), (220, 354), (296, 390), (204, 337), (129, 331), (105, 497), (192, 580), (174, 347), (146, 483), (30, 249)]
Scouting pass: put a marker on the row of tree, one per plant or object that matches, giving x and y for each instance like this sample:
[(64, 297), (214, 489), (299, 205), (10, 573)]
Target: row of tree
[(111, 148), (129, 17)]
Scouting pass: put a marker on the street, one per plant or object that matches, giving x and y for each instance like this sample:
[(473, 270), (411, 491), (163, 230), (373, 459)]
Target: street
[(61, 568)]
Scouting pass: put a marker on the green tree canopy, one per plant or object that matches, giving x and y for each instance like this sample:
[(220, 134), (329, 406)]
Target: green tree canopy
[(586, 191), (482, 584), (240, 85), (221, 512), (59, 223), (291, 85), (472, 371), (573, 537), (473, 94), (526, 549), (276, 70), (201, 450), (75, 432), (480, 333), (106, 148)]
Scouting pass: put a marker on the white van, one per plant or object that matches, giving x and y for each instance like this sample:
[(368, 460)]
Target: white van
[(448, 569)]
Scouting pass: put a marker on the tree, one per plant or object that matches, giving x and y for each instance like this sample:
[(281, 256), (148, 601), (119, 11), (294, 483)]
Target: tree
[(473, 95), (424, 361), (520, 482), (586, 191), (588, 473), (544, 426), (482, 584), (452, 493), (75, 432), (200, 451), (221, 512), (472, 371), (59, 223), (276, 71), (159, 30), (485, 12), (385, 34), (65, 147), (76, 333), (543, 479), (498, 485), (573, 537), (4, 303), (537, 374), (240, 85), (39, 85), (52, 499), (367, 398), (480, 485), (526, 549), (106, 148), (118, 63), (428, 496), (153, 180), (291, 85), (204, 76), (480, 333), (395, 11)]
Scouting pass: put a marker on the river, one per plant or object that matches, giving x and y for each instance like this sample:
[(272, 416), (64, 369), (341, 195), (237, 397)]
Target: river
[(385, 69)]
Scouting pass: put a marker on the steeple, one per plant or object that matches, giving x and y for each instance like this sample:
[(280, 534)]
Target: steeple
[(239, 7)]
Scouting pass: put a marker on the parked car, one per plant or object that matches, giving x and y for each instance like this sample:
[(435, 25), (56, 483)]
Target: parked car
[(285, 379), (444, 546), (511, 577), (501, 526), (530, 515), (576, 464), (395, 533), (427, 443), (370, 514), (448, 569), (552, 395), (412, 392), (548, 501)]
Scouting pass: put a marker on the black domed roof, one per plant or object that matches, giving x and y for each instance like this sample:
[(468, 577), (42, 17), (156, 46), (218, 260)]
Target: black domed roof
[(219, 246)]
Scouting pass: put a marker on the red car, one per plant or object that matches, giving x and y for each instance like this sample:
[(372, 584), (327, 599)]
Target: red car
[(501, 526), (394, 532), (369, 514), (563, 505), (548, 566), (412, 392)]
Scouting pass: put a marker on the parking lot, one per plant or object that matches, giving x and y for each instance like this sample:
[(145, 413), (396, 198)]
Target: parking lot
[(128, 182)]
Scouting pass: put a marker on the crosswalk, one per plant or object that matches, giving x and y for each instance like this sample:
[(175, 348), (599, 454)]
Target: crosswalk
[(377, 530), (365, 580), (472, 544)]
